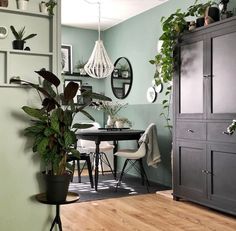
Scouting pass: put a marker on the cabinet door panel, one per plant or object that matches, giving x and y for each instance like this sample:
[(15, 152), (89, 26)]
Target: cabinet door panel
[(224, 69), (191, 78), (221, 163), (189, 161)]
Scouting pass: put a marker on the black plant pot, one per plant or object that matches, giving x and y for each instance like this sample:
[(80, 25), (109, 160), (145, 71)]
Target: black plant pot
[(200, 22), (57, 187), (18, 44), (213, 12)]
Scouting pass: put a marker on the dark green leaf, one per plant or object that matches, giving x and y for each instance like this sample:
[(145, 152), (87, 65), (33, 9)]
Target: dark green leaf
[(70, 90), (49, 76), (34, 112)]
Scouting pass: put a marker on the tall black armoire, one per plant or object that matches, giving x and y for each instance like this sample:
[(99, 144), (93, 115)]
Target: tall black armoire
[(204, 161)]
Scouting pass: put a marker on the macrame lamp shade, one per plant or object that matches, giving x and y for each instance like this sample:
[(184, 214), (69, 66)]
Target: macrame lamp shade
[(99, 65)]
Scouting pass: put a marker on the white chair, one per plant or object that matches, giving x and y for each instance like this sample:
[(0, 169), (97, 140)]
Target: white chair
[(106, 162), (147, 146)]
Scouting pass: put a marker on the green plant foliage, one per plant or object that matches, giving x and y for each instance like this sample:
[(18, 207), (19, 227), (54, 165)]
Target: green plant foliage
[(52, 128), (172, 28), (50, 6), (20, 34)]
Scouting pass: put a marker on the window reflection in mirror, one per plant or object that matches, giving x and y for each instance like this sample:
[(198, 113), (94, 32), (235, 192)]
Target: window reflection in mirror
[(122, 78)]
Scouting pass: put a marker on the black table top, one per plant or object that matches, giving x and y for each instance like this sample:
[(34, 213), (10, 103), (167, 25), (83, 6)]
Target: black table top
[(109, 135), (71, 198)]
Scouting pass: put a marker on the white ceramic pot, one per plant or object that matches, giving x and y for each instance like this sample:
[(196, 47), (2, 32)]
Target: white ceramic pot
[(22, 4), (119, 124), (43, 8)]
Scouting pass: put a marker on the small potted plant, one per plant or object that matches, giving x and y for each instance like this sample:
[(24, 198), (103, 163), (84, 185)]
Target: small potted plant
[(53, 131), (121, 122), (50, 6), (124, 70), (19, 41), (199, 10), (80, 67)]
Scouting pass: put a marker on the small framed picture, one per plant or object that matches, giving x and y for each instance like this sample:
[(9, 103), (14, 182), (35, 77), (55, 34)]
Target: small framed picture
[(119, 92), (78, 92), (66, 59), (80, 99)]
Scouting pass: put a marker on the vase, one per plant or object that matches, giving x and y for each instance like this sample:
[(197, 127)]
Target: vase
[(22, 4), (110, 121), (43, 8)]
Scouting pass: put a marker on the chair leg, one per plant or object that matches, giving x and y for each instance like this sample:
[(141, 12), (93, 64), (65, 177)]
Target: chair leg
[(90, 170), (143, 175), (79, 173), (122, 173), (100, 161)]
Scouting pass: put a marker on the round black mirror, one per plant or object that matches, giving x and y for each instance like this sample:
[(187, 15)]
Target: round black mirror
[(121, 78)]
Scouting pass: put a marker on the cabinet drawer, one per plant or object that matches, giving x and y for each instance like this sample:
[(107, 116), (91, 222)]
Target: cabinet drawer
[(191, 130), (216, 132)]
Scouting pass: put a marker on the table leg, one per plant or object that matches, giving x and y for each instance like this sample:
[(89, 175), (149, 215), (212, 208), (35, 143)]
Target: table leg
[(97, 151), (115, 143), (57, 219)]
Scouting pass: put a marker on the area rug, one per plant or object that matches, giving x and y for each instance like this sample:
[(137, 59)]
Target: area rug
[(107, 188)]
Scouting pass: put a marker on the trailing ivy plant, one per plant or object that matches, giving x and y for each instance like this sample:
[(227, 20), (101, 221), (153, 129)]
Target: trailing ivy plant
[(172, 28)]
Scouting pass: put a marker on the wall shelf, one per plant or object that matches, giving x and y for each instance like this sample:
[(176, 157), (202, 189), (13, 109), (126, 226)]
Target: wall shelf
[(30, 13)]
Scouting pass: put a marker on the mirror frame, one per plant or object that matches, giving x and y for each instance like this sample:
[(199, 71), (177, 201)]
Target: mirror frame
[(130, 77)]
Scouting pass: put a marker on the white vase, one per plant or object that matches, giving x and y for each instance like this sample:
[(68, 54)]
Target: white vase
[(22, 4), (43, 8), (110, 121)]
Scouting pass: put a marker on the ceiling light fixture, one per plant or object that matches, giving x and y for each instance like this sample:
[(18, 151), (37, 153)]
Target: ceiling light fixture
[(99, 64)]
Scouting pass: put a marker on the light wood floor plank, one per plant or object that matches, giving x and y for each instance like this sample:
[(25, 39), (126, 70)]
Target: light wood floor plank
[(152, 212)]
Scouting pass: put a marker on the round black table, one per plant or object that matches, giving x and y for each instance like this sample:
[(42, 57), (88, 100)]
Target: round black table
[(71, 198)]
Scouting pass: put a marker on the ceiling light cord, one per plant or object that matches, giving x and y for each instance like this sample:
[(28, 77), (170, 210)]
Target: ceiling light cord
[(99, 21)]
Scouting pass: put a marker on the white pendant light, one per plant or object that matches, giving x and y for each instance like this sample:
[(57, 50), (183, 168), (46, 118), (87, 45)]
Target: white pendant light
[(99, 65)]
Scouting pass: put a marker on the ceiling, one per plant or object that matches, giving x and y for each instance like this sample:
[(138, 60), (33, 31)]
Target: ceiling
[(84, 13)]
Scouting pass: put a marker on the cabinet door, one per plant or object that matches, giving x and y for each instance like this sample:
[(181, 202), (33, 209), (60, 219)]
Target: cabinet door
[(190, 90), (222, 86), (221, 166), (188, 170)]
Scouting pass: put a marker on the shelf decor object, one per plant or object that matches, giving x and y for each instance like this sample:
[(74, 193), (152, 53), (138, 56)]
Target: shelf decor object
[(4, 3), (99, 64), (3, 32)]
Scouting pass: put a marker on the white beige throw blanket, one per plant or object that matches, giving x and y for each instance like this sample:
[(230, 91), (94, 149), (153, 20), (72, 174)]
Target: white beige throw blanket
[(152, 148)]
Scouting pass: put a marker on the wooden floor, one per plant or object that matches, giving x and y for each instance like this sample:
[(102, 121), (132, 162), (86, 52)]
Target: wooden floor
[(143, 213)]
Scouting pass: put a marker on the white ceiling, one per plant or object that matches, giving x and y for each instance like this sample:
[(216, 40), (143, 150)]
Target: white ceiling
[(84, 13)]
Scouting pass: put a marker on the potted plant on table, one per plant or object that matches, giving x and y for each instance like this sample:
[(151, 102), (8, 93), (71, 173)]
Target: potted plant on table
[(111, 109), (53, 131), (121, 121), (19, 41)]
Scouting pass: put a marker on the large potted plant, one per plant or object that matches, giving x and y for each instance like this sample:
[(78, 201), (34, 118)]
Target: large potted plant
[(19, 41), (52, 130)]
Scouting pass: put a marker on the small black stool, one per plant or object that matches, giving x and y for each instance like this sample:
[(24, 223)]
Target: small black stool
[(71, 198), (86, 157)]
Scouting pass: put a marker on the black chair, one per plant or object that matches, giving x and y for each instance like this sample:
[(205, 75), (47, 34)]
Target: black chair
[(86, 157)]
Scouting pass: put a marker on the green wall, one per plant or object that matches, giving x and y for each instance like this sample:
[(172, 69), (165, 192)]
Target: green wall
[(136, 39)]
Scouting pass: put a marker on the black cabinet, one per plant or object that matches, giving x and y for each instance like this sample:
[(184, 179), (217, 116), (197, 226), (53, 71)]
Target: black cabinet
[(204, 161)]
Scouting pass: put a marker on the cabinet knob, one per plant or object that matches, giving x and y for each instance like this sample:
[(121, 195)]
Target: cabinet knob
[(190, 130), (206, 76), (203, 171)]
